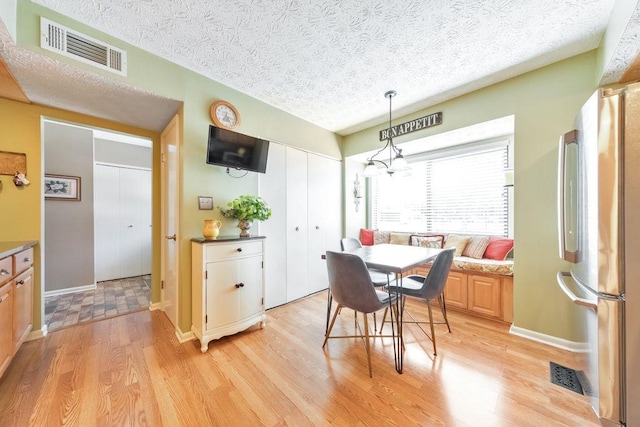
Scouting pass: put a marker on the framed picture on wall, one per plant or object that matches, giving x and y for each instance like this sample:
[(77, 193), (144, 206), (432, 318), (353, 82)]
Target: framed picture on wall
[(62, 187)]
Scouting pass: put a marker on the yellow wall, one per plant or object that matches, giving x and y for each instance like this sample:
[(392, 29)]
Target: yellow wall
[(21, 207), (544, 103)]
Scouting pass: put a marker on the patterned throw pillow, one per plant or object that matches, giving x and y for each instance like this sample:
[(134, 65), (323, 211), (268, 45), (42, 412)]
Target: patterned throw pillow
[(381, 237), (498, 248), (399, 238), (456, 241), (366, 237), (427, 241), (476, 246)]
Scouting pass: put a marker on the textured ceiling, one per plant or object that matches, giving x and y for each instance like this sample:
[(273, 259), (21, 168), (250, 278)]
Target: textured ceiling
[(330, 61), (47, 81)]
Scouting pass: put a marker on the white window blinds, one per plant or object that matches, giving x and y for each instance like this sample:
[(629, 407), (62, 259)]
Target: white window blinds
[(459, 192)]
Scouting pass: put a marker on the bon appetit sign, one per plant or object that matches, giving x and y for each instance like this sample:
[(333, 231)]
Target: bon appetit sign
[(412, 126)]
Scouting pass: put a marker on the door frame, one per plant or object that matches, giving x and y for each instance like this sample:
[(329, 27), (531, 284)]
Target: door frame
[(170, 136)]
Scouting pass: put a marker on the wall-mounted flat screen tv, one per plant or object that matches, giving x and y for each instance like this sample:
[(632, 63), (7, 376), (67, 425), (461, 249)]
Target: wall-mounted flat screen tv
[(235, 150)]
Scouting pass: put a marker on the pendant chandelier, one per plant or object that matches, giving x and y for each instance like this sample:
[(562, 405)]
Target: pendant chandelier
[(396, 162)]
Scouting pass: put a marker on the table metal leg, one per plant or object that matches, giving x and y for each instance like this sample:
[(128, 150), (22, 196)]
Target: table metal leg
[(399, 315)]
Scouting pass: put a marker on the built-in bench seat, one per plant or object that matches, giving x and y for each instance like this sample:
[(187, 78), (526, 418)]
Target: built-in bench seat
[(478, 283)]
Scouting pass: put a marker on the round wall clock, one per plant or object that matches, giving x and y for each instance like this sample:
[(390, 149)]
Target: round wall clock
[(225, 115)]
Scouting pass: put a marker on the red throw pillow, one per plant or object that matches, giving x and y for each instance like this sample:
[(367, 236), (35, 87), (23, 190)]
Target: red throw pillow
[(366, 237), (498, 248)]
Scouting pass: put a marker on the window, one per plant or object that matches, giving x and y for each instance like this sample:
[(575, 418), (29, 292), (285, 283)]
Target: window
[(458, 190)]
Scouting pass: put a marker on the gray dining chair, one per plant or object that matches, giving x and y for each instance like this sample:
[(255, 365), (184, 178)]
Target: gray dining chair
[(427, 288), (378, 277), (351, 287)]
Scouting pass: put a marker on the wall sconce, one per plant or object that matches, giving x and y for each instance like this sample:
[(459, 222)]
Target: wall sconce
[(357, 192), (508, 178)]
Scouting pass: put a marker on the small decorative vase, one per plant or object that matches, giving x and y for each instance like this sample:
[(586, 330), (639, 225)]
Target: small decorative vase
[(245, 225), (211, 229)]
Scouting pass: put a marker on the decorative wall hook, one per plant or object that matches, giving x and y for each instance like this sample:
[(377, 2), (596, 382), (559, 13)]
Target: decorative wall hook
[(19, 179)]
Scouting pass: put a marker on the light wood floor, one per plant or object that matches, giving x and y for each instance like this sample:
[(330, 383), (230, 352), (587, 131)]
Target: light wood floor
[(131, 370)]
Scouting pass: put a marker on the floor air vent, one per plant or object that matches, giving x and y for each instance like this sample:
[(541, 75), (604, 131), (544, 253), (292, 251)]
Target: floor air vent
[(565, 377), (60, 39)]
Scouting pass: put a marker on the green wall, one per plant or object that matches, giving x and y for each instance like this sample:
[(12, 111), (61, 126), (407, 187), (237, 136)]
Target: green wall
[(164, 78), (544, 103)]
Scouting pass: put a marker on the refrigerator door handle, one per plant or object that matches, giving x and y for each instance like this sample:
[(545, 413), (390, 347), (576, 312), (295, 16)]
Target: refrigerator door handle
[(573, 297), (566, 139)]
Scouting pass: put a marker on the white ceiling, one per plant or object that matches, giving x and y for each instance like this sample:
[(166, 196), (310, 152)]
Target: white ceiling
[(327, 61)]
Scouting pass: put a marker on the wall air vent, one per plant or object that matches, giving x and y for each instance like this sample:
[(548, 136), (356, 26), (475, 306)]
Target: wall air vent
[(67, 42)]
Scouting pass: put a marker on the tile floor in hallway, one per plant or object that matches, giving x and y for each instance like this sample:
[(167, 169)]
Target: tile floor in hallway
[(110, 298)]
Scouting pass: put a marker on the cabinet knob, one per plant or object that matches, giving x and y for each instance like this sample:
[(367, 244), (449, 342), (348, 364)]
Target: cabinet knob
[(297, 228), (239, 249), (26, 259), (21, 282), (4, 272), (130, 226), (172, 237), (239, 285), (317, 227)]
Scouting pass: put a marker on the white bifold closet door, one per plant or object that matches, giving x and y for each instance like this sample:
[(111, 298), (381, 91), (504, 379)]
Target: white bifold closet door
[(122, 218)]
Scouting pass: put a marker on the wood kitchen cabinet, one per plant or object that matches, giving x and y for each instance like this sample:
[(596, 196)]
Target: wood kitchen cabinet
[(6, 332), (23, 307), (16, 298), (227, 287), (484, 294)]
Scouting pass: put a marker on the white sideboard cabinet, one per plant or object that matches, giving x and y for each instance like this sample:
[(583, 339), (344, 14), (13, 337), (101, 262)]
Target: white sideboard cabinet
[(227, 287)]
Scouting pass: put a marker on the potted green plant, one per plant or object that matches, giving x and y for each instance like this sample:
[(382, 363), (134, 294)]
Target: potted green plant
[(246, 209)]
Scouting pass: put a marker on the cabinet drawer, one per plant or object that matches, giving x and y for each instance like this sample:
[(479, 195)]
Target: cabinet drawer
[(23, 260), (6, 269), (215, 252)]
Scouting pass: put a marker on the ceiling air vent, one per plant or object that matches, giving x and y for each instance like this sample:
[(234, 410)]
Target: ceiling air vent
[(67, 42)]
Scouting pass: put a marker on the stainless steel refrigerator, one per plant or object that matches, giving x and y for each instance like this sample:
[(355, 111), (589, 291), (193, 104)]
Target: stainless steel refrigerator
[(599, 234)]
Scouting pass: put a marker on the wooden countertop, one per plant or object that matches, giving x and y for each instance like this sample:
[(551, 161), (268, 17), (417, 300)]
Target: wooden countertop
[(221, 239), (10, 248)]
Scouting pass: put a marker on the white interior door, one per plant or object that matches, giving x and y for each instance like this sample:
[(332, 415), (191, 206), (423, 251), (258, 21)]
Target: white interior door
[(170, 196), (297, 250)]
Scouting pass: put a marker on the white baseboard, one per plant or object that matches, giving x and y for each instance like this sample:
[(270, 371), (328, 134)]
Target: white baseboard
[(155, 306), (184, 337), (573, 346), (70, 290), (37, 334)]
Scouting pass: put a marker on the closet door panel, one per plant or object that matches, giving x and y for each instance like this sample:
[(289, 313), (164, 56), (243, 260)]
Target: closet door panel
[(333, 225), (129, 226), (297, 251), (106, 222), (317, 216), (146, 207), (272, 189)]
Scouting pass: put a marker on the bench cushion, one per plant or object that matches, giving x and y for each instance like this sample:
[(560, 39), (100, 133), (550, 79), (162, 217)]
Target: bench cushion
[(501, 267)]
